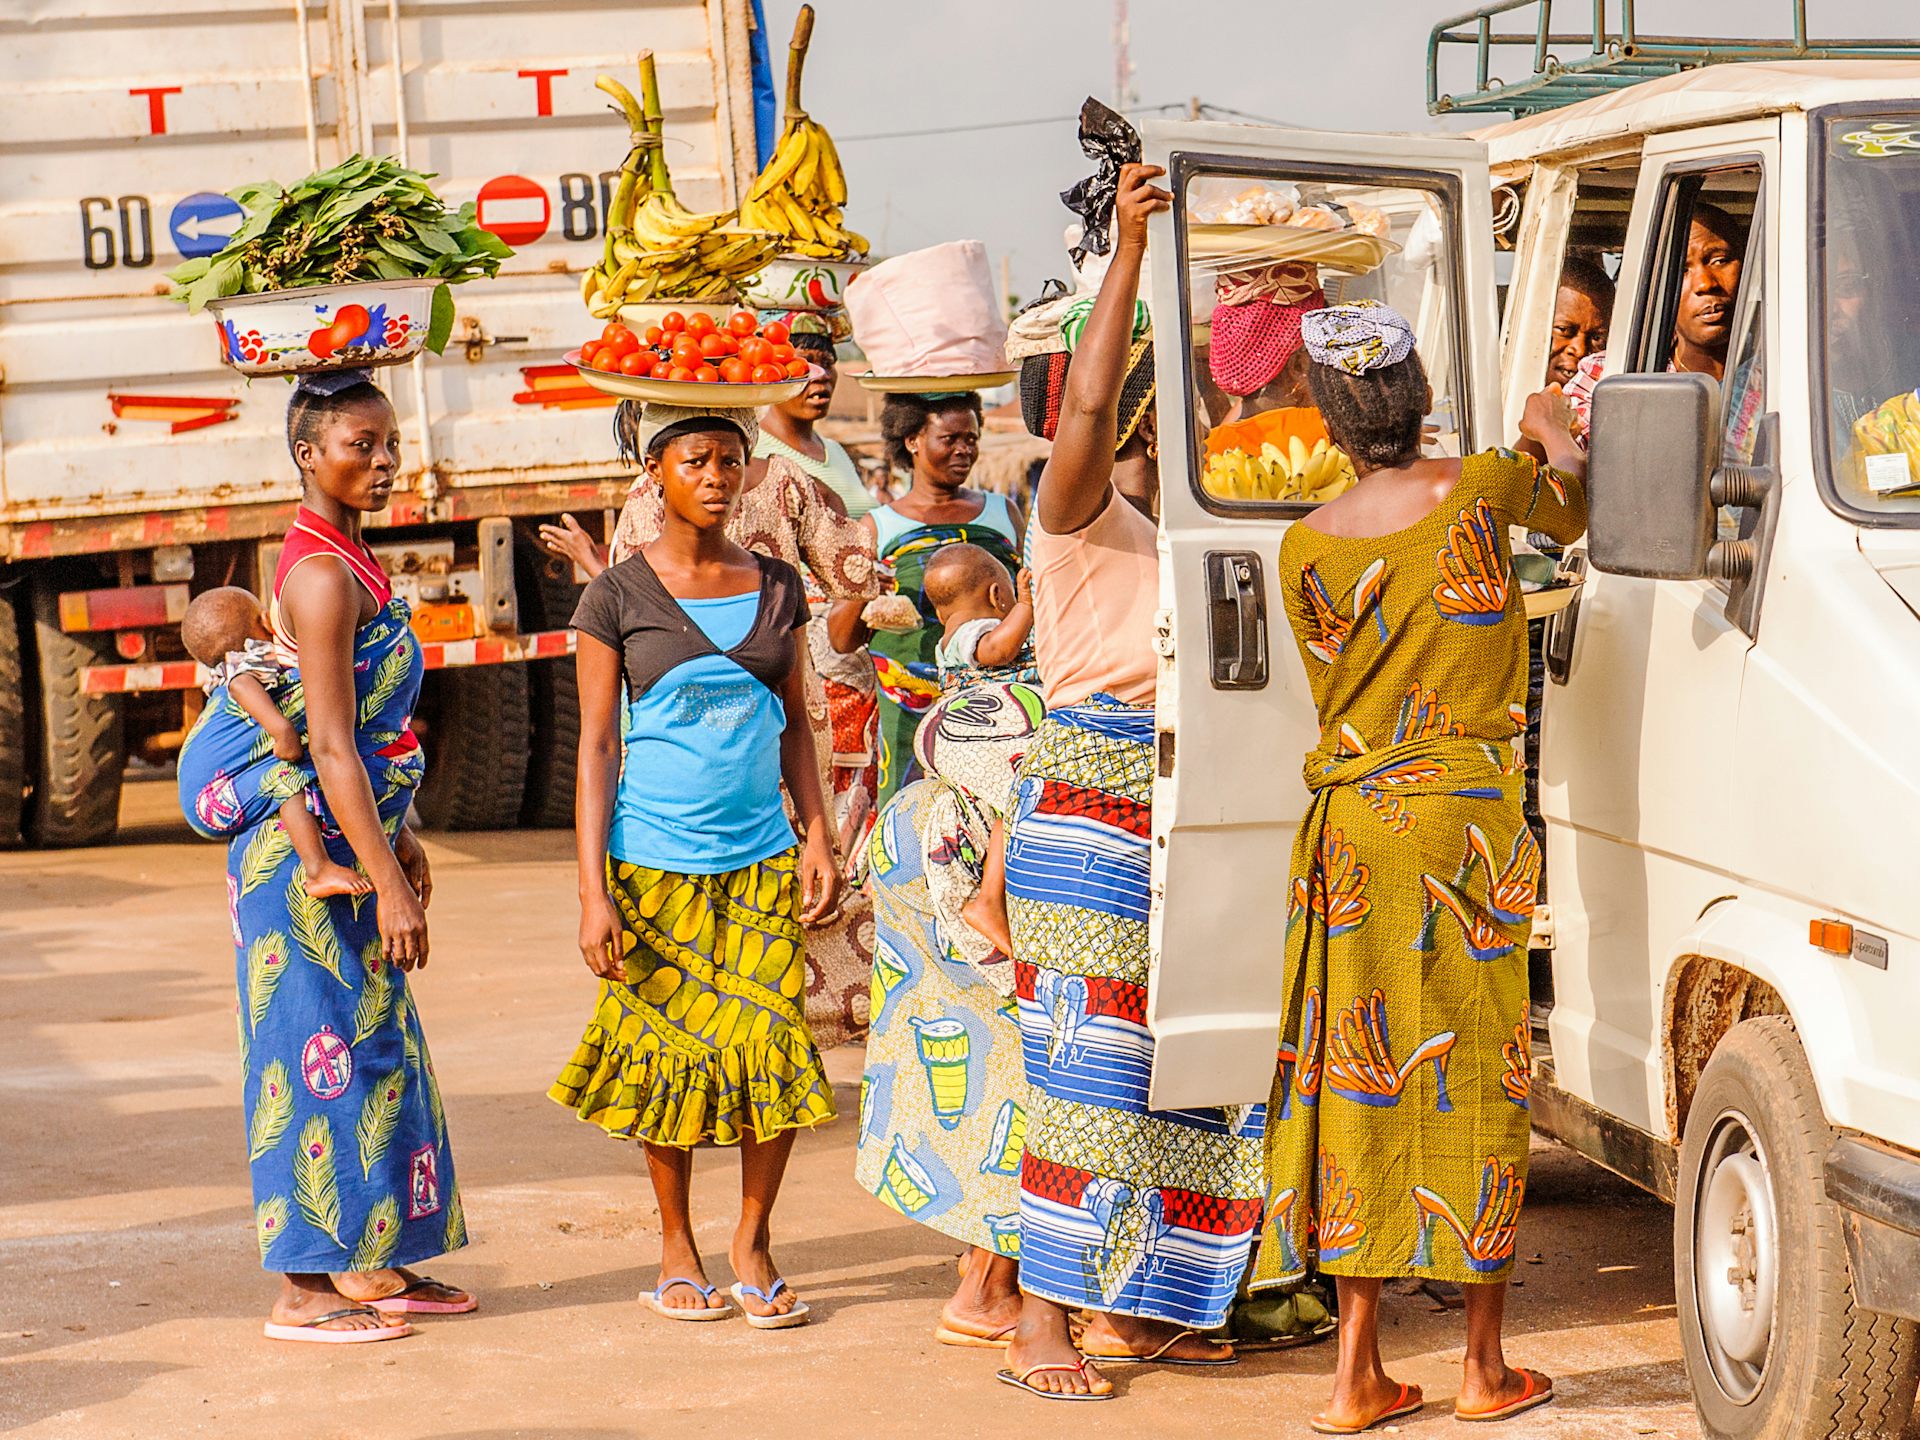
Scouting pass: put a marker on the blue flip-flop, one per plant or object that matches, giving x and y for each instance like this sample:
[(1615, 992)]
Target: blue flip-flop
[(796, 1316), (700, 1316)]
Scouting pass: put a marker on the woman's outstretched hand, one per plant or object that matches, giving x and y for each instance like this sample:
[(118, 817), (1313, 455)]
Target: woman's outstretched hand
[(1137, 199), (603, 942), (819, 877), (570, 542)]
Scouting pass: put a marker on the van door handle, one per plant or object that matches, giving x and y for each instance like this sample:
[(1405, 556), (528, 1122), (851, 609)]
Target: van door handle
[(1237, 620), (1561, 627)]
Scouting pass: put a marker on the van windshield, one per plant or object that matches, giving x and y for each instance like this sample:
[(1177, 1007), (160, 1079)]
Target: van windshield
[(1866, 346)]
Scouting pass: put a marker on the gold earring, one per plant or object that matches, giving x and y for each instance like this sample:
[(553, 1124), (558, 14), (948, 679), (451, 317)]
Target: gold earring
[(1153, 447)]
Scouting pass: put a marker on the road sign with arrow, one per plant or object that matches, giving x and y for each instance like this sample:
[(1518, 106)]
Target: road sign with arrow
[(202, 224)]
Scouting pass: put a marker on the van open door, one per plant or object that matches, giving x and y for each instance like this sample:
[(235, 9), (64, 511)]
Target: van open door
[(1402, 218)]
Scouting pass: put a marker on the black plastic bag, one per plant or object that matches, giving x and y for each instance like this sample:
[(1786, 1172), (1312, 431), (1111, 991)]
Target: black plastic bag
[(1105, 137)]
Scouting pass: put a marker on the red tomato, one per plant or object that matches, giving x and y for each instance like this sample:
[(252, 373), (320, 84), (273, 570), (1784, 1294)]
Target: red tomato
[(741, 322), (655, 335), (320, 344), (686, 347), (588, 351), (679, 372), (607, 360), (712, 346), (700, 323), (673, 320), (775, 334), (662, 369), (614, 330), (735, 371), (797, 368), (707, 375), (768, 374), (634, 363), (624, 343), (755, 351)]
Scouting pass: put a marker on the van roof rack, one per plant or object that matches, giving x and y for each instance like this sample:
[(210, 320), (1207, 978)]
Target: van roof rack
[(1571, 66)]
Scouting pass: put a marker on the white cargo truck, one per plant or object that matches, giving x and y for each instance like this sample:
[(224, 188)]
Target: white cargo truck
[(135, 469), (1729, 935)]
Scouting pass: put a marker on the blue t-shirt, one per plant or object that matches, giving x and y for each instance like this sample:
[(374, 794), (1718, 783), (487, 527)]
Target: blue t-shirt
[(700, 786)]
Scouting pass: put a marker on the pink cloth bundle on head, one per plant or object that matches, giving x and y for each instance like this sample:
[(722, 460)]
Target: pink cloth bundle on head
[(1256, 324), (930, 312)]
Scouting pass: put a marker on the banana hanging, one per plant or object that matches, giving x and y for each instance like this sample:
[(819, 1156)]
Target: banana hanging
[(800, 192)]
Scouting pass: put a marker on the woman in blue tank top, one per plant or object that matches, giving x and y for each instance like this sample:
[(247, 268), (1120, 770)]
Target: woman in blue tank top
[(693, 890)]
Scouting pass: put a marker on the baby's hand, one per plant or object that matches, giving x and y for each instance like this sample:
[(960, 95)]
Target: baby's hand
[(288, 747), (1023, 588)]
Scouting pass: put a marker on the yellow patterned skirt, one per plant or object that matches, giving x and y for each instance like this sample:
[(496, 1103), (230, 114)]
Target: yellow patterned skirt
[(707, 1038)]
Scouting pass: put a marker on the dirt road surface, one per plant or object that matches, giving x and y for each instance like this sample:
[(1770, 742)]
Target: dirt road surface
[(131, 1298)]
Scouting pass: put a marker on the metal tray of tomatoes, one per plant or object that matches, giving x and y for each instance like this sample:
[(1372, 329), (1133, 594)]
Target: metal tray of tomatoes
[(695, 394)]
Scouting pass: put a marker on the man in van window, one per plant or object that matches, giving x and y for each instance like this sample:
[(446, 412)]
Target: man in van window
[(1582, 309), (1703, 319)]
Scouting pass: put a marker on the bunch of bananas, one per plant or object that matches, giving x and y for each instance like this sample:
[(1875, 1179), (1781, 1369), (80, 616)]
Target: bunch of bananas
[(800, 193), (1296, 473), (1892, 429), (656, 248)]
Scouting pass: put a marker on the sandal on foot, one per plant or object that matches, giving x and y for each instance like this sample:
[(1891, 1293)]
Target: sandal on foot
[(959, 1332), (1407, 1402), (1538, 1392), (706, 1312), (796, 1316), (401, 1302), (1024, 1381), (309, 1331), (1160, 1356)]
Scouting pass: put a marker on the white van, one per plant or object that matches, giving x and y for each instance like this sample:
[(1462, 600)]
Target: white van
[(1730, 767)]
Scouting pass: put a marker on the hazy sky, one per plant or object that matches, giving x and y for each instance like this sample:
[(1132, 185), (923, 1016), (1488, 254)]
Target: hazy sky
[(880, 67)]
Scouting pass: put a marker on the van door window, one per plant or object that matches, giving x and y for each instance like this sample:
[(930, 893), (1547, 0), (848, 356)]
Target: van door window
[(1261, 249)]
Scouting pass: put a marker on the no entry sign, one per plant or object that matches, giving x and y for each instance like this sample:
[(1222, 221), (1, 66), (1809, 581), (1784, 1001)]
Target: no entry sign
[(514, 208)]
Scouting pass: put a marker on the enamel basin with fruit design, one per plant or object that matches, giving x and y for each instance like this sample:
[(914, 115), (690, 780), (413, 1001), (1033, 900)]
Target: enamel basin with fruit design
[(324, 327), (793, 282)]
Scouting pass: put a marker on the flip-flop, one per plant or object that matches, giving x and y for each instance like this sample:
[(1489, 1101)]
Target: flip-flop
[(951, 1332), (796, 1316), (1160, 1356), (401, 1303), (1407, 1402), (1538, 1392), (1024, 1381), (308, 1331), (707, 1312)]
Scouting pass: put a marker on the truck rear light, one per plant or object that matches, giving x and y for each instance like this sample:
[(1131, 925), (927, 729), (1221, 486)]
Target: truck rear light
[(172, 563), (454, 621), (136, 607), (130, 644), (1833, 936)]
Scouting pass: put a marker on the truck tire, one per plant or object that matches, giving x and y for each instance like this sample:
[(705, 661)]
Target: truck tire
[(1776, 1347), (78, 741), (476, 742), (547, 582), (13, 720)]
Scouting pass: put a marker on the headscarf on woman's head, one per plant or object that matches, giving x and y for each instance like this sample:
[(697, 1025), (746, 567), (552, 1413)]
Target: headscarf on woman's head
[(318, 393), (640, 429), (1357, 337), (1043, 378), (1256, 324)]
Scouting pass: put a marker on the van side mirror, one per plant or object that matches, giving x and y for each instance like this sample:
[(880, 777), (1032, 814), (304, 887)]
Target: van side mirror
[(1652, 448)]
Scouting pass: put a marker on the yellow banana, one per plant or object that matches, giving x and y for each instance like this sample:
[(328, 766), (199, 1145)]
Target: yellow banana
[(833, 179), (787, 156)]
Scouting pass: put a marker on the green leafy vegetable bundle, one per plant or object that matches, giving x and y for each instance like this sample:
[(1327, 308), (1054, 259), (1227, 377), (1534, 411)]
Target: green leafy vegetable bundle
[(364, 219)]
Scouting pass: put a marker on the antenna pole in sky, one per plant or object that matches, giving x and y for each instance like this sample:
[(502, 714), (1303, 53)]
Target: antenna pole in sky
[(1122, 58)]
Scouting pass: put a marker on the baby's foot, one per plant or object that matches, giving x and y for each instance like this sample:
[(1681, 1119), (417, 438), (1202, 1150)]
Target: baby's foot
[(990, 920), (332, 879)]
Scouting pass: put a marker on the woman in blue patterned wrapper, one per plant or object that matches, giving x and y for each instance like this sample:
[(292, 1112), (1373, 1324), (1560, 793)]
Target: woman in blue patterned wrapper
[(693, 889), (347, 1138)]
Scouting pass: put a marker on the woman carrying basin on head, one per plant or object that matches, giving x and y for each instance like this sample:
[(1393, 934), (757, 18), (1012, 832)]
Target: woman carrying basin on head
[(693, 889), (1397, 1129)]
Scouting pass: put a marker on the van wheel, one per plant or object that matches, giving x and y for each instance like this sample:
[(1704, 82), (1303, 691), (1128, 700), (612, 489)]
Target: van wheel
[(79, 741), (475, 718), (13, 721), (1776, 1347), (548, 582)]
